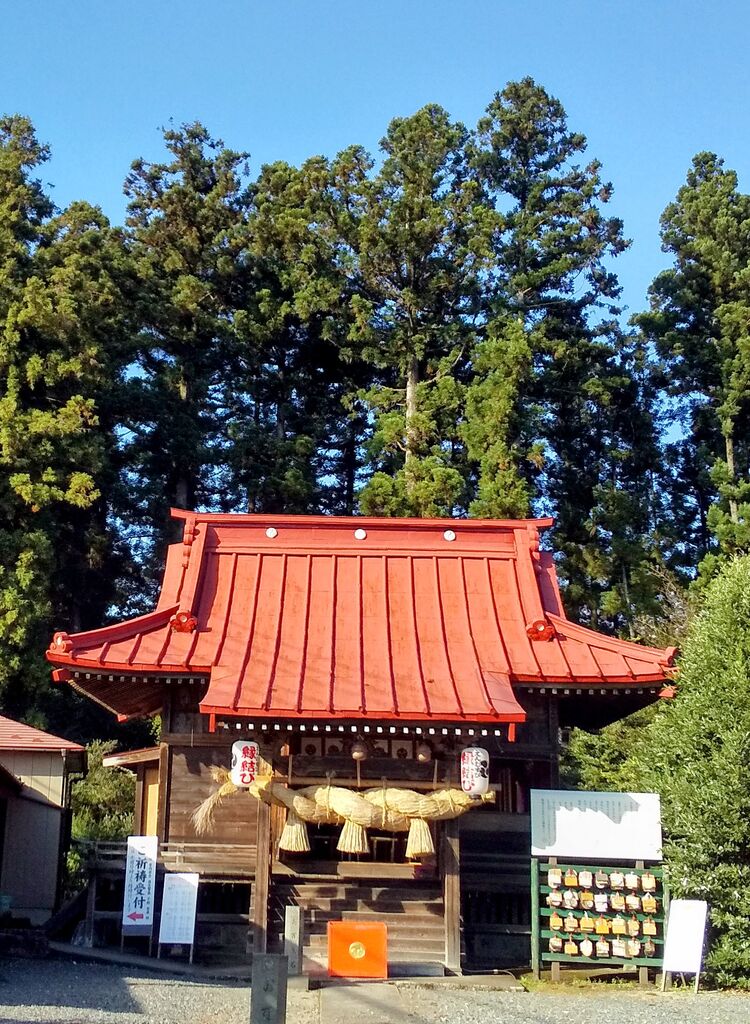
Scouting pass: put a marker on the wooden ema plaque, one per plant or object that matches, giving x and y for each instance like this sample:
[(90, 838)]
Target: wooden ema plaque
[(587, 914), (357, 949)]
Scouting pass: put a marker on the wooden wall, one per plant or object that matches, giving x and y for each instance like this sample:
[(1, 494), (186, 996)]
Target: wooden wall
[(190, 782), (31, 850)]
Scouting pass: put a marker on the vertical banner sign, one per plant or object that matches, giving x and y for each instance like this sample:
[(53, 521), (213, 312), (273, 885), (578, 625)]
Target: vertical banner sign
[(245, 756), (475, 771), (140, 885), (180, 898)]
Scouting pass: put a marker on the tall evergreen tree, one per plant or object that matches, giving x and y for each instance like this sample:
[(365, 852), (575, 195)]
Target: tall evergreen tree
[(290, 444), (698, 322), (551, 308), (416, 251), (60, 311), (187, 234)]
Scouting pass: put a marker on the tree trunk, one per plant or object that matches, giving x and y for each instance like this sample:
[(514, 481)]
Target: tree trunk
[(626, 598), (412, 381), (350, 469), (731, 472)]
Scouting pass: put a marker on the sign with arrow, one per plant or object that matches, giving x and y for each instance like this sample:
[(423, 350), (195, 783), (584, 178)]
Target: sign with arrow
[(140, 885)]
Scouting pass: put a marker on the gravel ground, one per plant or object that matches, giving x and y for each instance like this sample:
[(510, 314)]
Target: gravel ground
[(67, 991)]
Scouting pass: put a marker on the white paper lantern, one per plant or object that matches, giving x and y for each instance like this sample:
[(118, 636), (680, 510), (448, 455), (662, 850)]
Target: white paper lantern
[(475, 771), (245, 759)]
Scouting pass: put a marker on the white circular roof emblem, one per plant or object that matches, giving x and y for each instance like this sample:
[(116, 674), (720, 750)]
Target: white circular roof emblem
[(360, 534), (449, 535), (272, 532)]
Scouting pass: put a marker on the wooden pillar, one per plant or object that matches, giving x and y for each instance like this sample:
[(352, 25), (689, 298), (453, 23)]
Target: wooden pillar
[(90, 928), (261, 885), (262, 882), (138, 808), (452, 896), (162, 823)]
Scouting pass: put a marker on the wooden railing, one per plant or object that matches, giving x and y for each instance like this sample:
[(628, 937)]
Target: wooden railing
[(224, 859)]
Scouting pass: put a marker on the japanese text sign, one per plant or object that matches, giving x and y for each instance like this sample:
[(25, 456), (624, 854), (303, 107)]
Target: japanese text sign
[(245, 759), (609, 826), (179, 901), (140, 884)]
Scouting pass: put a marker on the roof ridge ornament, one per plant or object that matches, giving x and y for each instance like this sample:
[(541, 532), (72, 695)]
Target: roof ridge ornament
[(61, 643), (183, 622), (541, 629), (188, 536)]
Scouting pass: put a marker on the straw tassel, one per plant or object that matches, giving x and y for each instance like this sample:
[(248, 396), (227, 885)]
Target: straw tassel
[(203, 815), (294, 837), (419, 842), (353, 838)]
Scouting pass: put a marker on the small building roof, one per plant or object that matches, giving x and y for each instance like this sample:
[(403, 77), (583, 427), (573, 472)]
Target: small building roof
[(320, 617), (18, 737)]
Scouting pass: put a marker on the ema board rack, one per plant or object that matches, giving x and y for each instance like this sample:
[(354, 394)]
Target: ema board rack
[(588, 915)]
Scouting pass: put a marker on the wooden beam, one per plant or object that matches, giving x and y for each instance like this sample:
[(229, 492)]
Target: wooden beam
[(452, 896), (125, 758), (261, 885), (352, 783)]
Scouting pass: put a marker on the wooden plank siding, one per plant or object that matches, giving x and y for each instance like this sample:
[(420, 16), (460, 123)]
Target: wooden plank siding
[(236, 818)]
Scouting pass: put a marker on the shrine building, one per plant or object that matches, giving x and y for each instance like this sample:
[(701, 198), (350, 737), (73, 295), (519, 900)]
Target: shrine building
[(362, 656)]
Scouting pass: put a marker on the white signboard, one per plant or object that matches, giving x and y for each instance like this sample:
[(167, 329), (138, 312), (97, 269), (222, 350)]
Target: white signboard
[(686, 926), (179, 901), (140, 885), (245, 755), (594, 826)]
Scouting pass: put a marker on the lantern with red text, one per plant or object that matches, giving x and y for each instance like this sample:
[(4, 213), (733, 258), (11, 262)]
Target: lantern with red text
[(245, 757), (475, 771)]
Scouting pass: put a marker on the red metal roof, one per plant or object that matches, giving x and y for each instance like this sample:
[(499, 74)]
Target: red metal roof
[(15, 736), (302, 616)]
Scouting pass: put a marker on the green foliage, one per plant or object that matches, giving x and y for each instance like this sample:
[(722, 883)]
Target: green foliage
[(694, 751), (698, 322), (102, 801)]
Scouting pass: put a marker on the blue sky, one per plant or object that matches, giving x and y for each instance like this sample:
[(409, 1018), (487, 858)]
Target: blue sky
[(649, 83)]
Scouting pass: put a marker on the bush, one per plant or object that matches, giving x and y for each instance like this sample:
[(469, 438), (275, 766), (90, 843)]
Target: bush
[(695, 753), (102, 801)]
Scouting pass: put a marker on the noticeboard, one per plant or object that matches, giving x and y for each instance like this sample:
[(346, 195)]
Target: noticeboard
[(179, 901), (596, 826), (140, 885)]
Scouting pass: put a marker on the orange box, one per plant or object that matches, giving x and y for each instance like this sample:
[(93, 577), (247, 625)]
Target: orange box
[(357, 949)]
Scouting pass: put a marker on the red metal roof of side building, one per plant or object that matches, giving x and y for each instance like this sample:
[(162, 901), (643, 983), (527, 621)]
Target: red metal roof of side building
[(319, 617), (19, 737)]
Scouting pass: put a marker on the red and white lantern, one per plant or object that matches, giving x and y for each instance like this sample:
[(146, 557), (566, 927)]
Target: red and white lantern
[(245, 759), (475, 771)]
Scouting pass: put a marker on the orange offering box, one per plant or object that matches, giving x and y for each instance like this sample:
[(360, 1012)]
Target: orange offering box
[(357, 949)]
